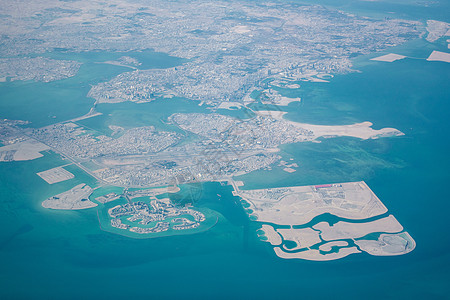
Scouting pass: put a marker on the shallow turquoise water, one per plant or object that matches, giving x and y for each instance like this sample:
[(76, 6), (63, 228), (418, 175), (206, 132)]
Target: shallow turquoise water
[(47, 103), (64, 254)]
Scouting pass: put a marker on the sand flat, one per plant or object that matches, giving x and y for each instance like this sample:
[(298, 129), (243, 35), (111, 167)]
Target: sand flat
[(75, 198), (289, 170), (55, 175), (300, 204), (388, 244), (359, 130), (346, 230), (272, 236), (389, 57), (328, 246), (28, 149), (439, 56), (304, 237)]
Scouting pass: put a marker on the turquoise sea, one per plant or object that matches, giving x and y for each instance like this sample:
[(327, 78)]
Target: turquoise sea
[(47, 254)]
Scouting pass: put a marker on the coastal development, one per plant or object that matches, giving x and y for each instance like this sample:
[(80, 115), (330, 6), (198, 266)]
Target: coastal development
[(75, 198), (148, 215), (222, 147), (55, 175), (228, 50), (157, 216), (299, 207), (232, 56), (37, 69)]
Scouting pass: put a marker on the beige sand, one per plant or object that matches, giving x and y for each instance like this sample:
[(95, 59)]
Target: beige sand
[(439, 56), (316, 255), (272, 236), (389, 57), (55, 175), (388, 244), (328, 246), (345, 230), (436, 30), (26, 150), (304, 237), (359, 130), (299, 205), (75, 198)]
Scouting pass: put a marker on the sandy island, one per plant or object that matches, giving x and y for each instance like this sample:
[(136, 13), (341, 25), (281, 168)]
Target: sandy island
[(272, 236), (329, 246), (345, 230), (75, 198), (388, 244), (389, 57), (439, 56), (26, 150), (299, 205), (304, 238), (359, 130), (55, 175)]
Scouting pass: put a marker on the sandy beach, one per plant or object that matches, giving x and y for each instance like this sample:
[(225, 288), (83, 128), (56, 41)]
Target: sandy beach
[(359, 130)]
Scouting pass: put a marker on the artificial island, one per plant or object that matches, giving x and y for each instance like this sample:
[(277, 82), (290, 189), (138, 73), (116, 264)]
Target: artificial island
[(231, 56)]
